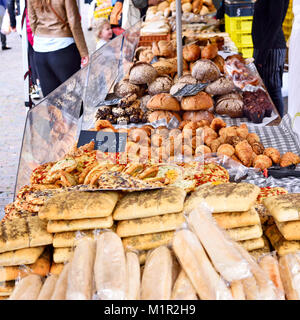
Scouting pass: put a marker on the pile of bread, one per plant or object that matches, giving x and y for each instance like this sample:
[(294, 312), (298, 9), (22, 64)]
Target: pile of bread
[(200, 262)]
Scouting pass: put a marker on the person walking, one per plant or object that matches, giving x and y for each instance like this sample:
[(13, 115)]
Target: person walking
[(3, 7), (270, 46), (59, 44), (294, 70)]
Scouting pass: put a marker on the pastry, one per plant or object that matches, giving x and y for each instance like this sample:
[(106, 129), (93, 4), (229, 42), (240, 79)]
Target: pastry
[(272, 153), (288, 159)]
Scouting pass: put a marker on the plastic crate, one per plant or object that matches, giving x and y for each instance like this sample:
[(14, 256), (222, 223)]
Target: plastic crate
[(246, 52), (238, 24), (235, 8), (242, 39), (146, 41)]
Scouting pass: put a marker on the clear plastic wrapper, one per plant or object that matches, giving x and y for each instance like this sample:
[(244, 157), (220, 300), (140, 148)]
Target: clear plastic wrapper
[(183, 288), (48, 287), (61, 285), (289, 266), (80, 277), (157, 275), (133, 277), (225, 257), (110, 267), (28, 288)]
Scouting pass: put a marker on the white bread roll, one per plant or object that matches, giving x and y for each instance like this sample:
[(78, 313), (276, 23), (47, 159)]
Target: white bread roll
[(193, 259), (110, 267), (157, 275), (133, 284), (80, 277), (183, 288)]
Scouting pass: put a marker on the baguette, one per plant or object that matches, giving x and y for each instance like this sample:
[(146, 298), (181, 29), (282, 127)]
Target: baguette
[(80, 276), (157, 275), (60, 289), (237, 290), (193, 259), (27, 289), (183, 288), (110, 267), (270, 265), (289, 268), (251, 288), (133, 283), (48, 287), (226, 259)]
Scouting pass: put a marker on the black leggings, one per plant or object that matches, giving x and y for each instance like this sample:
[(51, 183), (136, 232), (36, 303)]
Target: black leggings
[(56, 67)]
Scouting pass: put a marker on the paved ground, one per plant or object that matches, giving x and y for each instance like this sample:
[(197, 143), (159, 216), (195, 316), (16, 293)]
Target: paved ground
[(13, 112)]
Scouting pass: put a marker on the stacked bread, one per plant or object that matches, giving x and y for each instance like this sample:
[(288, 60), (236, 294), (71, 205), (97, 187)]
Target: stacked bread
[(232, 206), (23, 250), (147, 220), (284, 235), (73, 215)]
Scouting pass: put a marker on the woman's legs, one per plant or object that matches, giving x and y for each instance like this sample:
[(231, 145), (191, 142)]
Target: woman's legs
[(56, 67)]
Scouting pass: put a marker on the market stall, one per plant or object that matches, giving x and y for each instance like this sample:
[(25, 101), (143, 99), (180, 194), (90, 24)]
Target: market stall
[(138, 182)]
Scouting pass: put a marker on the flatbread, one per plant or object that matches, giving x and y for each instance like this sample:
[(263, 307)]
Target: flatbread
[(38, 235), (56, 226), (281, 245), (62, 255), (229, 220), (290, 230), (22, 256), (245, 233), (69, 239), (40, 267), (79, 205), (266, 192), (285, 207), (224, 197), (252, 244), (150, 203), (141, 226), (148, 241)]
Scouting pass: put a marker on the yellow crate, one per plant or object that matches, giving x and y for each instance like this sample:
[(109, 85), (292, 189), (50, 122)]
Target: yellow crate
[(238, 24), (242, 39), (246, 52), (102, 13)]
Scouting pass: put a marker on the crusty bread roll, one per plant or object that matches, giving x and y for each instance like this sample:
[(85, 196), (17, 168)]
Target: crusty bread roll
[(201, 101), (198, 116), (163, 101), (205, 70), (162, 6), (187, 7), (191, 52), (164, 67), (142, 73), (219, 61), (163, 48), (209, 52), (161, 84), (158, 115)]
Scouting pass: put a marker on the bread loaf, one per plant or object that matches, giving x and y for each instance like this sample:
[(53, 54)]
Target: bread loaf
[(133, 284), (110, 267), (28, 288), (192, 257), (191, 52), (209, 52), (200, 101), (205, 71), (142, 73), (237, 290), (157, 275), (48, 287), (183, 288), (80, 276), (60, 289), (163, 101)]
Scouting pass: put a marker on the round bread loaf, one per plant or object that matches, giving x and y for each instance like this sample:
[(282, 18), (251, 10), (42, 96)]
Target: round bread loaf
[(124, 87), (142, 73), (198, 116), (201, 101), (163, 101), (220, 87), (163, 48), (164, 67), (191, 52), (205, 71), (158, 115), (187, 79), (160, 84), (185, 72), (209, 52), (146, 56), (230, 104), (219, 61)]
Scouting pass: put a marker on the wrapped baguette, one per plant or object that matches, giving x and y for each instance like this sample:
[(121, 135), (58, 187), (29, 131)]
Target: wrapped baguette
[(224, 256), (28, 288), (237, 290), (289, 268), (183, 289), (110, 267), (193, 259), (133, 284), (157, 275), (48, 288), (80, 277), (60, 289), (266, 288), (270, 265), (250, 288)]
